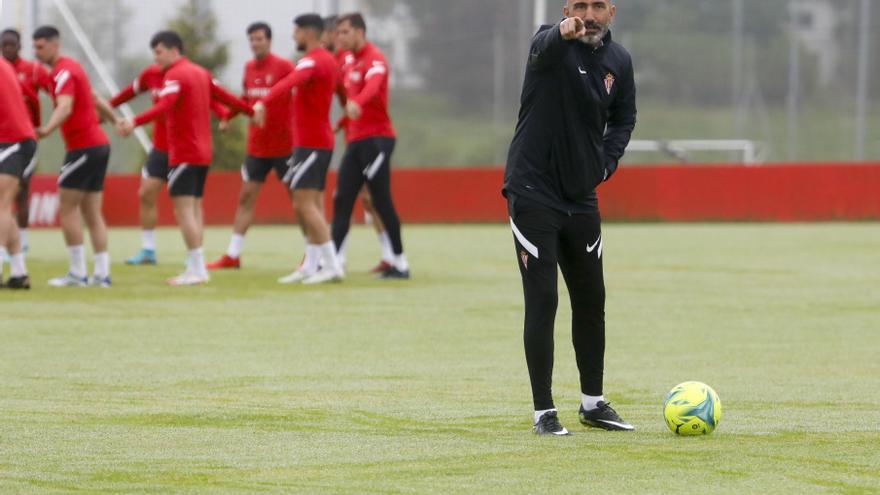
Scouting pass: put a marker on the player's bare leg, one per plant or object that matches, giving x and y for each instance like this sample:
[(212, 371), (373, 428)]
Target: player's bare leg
[(148, 194), (92, 213), (244, 218), (384, 241), (321, 203), (305, 204), (310, 263), (186, 213), (23, 211), (9, 235), (200, 220), (318, 241), (70, 217), (247, 203), (189, 214), (8, 228)]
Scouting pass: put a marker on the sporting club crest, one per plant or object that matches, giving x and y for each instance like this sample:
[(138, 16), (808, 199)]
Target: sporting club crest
[(609, 82), (524, 256)]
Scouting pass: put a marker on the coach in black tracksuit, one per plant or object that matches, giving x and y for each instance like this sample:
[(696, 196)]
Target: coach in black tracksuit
[(578, 112)]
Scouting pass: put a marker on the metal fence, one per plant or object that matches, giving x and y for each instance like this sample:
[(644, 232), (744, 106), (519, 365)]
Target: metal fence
[(782, 80)]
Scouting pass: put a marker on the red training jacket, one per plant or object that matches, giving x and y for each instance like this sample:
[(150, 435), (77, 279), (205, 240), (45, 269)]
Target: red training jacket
[(33, 77), (275, 139), (15, 126), (314, 79), (366, 82), (150, 79), (82, 129), (185, 100)]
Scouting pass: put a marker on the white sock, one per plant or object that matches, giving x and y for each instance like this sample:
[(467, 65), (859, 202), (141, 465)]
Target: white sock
[(401, 263), (188, 264), (23, 235), (328, 254), (236, 245), (387, 249), (148, 240), (590, 403), (538, 414), (77, 255), (17, 266), (3, 255), (311, 260), (195, 261), (102, 265)]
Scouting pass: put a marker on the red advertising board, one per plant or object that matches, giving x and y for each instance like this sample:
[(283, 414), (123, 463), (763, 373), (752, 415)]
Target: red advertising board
[(782, 192)]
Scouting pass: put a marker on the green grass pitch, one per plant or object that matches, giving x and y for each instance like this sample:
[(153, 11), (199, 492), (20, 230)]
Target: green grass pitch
[(244, 386)]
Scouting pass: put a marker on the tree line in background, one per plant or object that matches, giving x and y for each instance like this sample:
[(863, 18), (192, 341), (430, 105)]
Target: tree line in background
[(198, 28), (683, 49), (471, 56)]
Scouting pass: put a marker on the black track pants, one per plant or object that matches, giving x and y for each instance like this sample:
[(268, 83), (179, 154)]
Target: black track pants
[(545, 238), (366, 160)]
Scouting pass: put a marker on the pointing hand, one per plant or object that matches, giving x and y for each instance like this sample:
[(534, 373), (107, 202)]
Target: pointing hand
[(572, 28)]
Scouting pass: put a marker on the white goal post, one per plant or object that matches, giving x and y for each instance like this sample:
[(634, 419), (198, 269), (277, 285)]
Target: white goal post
[(98, 64), (680, 148)]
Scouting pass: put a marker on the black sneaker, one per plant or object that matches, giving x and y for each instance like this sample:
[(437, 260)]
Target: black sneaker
[(604, 417), (394, 274), (549, 424), (18, 283)]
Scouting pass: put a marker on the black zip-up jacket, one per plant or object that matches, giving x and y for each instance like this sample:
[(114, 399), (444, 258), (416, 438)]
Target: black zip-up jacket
[(578, 111)]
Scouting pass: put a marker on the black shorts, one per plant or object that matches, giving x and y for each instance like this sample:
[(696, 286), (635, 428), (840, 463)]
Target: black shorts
[(84, 169), (18, 159), (308, 169), (156, 166), (187, 180), (372, 156), (256, 169)]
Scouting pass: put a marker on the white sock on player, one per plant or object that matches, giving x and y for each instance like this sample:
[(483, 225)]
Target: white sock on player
[(400, 262), (77, 256), (328, 255), (17, 266), (538, 414), (3, 255), (102, 265), (148, 240), (387, 248), (195, 263), (236, 246), (590, 402), (23, 235), (312, 259)]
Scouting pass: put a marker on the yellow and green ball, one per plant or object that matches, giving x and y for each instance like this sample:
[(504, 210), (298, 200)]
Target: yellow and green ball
[(692, 408)]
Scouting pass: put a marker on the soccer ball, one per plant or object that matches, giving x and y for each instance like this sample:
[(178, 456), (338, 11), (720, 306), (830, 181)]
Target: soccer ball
[(692, 408)]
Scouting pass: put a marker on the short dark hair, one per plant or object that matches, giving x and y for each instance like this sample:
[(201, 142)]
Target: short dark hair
[(168, 39), (356, 19), (260, 26), (330, 22), (313, 21), (47, 33), (13, 32)]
